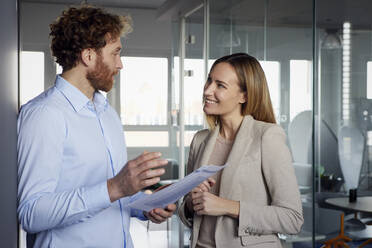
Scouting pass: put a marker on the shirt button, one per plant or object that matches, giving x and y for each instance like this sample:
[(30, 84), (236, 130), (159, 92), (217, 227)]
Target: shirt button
[(246, 230)]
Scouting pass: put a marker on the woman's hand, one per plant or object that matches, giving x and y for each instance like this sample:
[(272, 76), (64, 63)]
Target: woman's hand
[(206, 203), (205, 186)]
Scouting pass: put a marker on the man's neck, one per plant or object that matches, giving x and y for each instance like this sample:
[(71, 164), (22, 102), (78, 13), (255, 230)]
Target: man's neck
[(77, 77)]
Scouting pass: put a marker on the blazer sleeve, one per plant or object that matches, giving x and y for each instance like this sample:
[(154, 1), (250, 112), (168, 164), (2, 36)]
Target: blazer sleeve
[(284, 214), (190, 167)]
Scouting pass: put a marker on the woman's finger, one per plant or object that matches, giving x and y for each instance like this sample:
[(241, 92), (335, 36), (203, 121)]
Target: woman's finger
[(211, 182), (195, 195), (198, 207)]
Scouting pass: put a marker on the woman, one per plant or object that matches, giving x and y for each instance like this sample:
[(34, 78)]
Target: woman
[(256, 196)]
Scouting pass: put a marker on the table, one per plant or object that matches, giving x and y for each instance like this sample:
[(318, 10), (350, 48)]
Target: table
[(363, 204)]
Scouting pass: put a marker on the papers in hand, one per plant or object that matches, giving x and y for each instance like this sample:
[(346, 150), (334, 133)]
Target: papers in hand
[(175, 191)]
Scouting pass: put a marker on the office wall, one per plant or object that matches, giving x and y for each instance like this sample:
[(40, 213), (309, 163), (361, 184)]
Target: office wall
[(8, 123)]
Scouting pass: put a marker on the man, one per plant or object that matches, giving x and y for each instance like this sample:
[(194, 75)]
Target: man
[(74, 179)]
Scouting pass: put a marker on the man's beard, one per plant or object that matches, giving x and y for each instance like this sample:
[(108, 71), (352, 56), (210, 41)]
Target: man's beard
[(101, 77)]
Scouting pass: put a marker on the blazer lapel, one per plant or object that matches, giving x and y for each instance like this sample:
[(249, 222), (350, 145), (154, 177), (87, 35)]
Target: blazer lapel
[(208, 143), (206, 147), (242, 141)]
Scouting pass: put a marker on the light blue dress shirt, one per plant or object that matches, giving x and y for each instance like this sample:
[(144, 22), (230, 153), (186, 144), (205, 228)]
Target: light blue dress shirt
[(68, 146)]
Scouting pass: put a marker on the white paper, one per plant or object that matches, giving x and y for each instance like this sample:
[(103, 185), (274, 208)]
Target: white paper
[(175, 191)]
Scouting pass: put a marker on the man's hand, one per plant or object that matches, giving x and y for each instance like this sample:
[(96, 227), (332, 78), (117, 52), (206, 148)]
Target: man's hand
[(137, 174), (158, 215)]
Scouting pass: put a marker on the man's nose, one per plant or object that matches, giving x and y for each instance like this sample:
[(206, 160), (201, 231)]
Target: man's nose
[(119, 64)]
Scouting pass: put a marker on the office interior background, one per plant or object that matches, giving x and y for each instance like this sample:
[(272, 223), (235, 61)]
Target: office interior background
[(317, 56)]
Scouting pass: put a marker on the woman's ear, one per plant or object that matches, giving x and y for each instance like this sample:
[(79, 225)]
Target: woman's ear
[(243, 98)]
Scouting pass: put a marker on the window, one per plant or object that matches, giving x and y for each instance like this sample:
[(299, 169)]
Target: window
[(58, 69), (144, 91), (147, 138), (300, 87), (31, 75), (187, 138), (369, 79), (193, 89)]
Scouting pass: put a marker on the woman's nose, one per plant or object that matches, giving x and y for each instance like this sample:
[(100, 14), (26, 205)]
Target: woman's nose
[(209, 88)]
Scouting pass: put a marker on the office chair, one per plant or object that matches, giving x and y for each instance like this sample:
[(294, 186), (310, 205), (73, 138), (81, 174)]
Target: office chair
[(300, 137), (351, 150)]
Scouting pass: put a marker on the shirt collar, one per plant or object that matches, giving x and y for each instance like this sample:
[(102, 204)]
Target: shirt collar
[(77, 98), (100, 102)]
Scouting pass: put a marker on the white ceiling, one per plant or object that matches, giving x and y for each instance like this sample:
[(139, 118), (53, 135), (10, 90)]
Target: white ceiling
[(151, 4)]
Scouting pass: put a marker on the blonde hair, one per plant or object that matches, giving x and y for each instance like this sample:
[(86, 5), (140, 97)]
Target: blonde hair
[(252, 81)]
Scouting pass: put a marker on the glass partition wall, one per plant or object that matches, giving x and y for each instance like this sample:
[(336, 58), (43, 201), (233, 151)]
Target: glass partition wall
[(343, 50), (317, 59), (284, 48)]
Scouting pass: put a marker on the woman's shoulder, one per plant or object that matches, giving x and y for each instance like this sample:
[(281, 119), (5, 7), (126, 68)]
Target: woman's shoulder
[(267, 128), (201, 135)]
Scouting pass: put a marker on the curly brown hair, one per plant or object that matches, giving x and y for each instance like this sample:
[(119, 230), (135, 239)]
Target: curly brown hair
[(84, 27)]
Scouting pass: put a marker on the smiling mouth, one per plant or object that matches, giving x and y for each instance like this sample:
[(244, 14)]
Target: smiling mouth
[(210, 101)]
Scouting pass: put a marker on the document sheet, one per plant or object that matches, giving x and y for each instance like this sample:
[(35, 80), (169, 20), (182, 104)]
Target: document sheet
[(172, 193)]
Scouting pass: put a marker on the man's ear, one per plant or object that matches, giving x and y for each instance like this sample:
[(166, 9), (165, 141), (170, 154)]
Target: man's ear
[(88, 57)]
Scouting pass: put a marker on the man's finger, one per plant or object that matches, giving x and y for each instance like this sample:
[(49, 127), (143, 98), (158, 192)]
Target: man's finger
[(163, 212), (151, 164), (151, 173), (146, 156), (171, 207), (152, 218), (161, 216), (149, 182)]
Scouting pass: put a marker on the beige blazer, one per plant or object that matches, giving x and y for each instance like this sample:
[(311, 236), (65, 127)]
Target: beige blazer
[(261, 177)]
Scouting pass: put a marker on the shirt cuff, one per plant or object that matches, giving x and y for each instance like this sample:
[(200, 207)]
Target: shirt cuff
[(96, 197), (138, 214)]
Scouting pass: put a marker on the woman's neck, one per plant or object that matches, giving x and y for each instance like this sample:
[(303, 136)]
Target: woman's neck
[(230, 126)]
